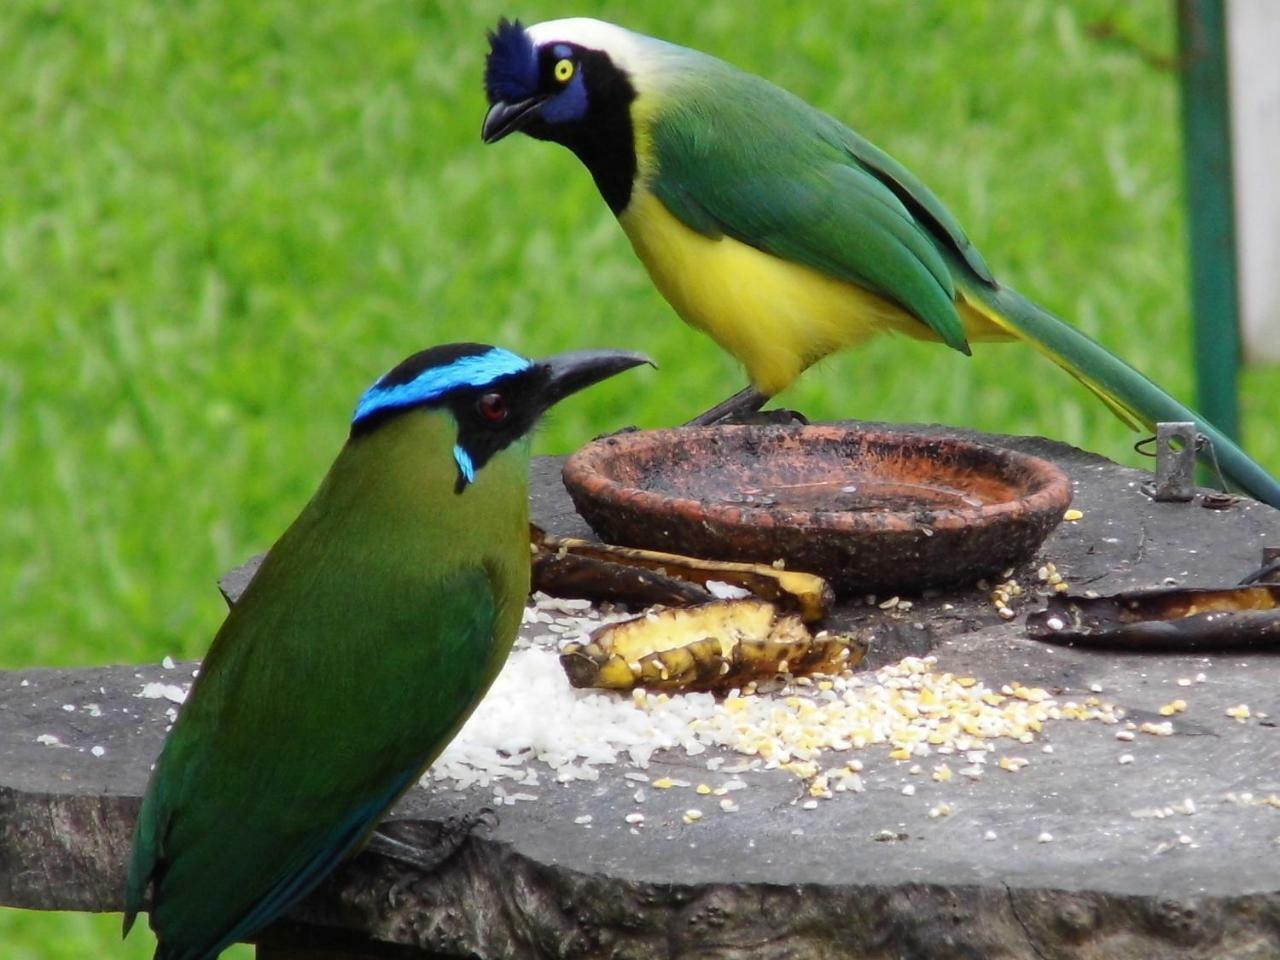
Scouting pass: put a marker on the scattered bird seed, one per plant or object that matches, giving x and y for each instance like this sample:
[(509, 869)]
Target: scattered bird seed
[(910, 709), (162, 691), (726, 591)]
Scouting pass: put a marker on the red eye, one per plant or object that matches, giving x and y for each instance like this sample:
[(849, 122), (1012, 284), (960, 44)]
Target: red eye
[(492, 407)]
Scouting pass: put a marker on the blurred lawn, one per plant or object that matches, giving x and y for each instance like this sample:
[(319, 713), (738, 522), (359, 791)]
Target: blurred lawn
[(221, 219)]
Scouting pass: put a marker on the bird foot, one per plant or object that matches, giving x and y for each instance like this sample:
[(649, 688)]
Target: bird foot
[(770, 418), (744, 403), (433, 854), (616, 433)]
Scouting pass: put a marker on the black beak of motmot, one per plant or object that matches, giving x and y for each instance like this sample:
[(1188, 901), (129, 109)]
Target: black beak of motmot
[(504, 118), (570, 372)]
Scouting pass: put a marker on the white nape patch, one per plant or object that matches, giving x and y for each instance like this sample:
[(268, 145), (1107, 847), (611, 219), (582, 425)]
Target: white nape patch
[(637, 54), (585, 32)]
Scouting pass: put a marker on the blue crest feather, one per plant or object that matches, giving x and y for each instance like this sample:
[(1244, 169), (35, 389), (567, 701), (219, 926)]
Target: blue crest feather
[(467, 370), (511, 70)]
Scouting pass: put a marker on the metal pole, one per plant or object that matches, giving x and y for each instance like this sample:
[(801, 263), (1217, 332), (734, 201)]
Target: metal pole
[(1206, 145)]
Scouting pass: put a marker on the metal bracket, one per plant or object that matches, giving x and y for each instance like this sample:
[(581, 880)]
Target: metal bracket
[(1175, 463)]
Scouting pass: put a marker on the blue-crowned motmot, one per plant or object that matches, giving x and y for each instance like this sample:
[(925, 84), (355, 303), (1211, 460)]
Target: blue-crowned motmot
[(370, 632), (775, 228)]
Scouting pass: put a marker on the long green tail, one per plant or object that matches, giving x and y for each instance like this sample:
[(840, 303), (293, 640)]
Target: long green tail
[(1131, 395)]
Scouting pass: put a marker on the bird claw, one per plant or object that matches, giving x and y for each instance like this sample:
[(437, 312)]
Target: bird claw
[(744, 403), (429, 856), (770, 418), (616, 433)]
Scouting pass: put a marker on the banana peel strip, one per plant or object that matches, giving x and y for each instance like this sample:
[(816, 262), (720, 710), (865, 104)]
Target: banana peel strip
[(713, 647), (806, 594), (1177, 620)]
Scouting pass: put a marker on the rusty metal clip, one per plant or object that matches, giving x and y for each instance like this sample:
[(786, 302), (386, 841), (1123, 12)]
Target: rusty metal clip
[(1176, 444)]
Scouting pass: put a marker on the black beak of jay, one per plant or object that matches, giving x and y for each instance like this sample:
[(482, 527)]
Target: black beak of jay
[(570, 372), (506, 118), (511, 82)]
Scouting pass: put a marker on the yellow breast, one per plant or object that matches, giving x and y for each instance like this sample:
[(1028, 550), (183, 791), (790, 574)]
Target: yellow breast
[(775, 316)]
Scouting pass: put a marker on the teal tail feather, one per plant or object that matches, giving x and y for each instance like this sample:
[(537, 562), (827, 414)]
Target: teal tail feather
[(1133, 397)]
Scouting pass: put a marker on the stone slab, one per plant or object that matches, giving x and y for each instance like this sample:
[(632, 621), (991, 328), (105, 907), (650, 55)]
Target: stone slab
[(775, 879)]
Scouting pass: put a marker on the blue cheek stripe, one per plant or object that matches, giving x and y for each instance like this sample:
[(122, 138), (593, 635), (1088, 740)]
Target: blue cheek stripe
[(569, 104), (465, 466), (475, 370)]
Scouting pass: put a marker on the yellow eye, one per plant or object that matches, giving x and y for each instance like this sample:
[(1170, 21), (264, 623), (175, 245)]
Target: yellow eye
[(564, 70)]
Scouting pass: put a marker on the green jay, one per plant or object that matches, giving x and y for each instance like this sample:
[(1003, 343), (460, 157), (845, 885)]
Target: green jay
[(773, 227), (372, 629)]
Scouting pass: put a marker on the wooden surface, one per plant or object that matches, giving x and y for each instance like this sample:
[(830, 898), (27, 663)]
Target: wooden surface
[(777, 880)]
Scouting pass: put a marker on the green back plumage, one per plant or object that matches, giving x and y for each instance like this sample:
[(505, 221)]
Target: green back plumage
[(374, 626), (734, 154), (730, 153)]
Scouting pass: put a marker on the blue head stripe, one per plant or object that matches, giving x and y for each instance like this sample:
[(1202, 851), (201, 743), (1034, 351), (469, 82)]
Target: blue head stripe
[(473, 370), (511, 70)]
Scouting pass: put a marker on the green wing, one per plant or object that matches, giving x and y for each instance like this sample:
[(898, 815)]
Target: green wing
[(306, 723), (736, 155)]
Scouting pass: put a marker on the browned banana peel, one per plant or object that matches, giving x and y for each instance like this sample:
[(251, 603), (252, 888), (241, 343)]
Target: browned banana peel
[(806, 594), (1181, 619), (716, 646)]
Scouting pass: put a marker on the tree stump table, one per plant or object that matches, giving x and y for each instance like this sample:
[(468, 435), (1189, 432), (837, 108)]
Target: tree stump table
[(1085, 856)]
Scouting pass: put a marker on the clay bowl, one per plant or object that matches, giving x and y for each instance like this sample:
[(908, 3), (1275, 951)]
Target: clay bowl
[(870, 510)]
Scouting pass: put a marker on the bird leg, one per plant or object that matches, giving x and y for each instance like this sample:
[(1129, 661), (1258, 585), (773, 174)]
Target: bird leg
[(744, 407), (745, 402), (428, 857)]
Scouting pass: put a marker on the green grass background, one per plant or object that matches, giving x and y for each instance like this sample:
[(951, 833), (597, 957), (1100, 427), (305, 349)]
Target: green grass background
[(221, 219)]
